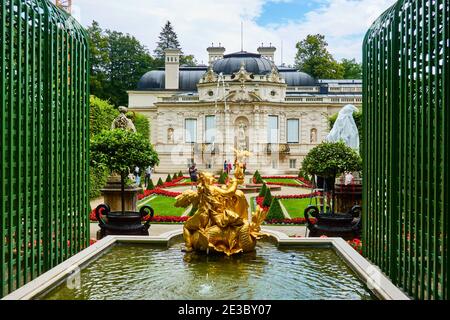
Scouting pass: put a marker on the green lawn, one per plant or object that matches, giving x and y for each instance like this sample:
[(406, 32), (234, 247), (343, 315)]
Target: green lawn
[(274, 180), (296, 207), (163, 206)]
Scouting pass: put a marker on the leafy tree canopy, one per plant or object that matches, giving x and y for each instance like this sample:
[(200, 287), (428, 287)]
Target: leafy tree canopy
[(101, 116), (352, 69), (118, 61), (313, 58), (120, 150), (330, 159)]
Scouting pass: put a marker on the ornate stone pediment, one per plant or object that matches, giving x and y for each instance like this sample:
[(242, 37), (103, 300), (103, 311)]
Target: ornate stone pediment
[(243, 95), (242, 75), (274, 76), (210, 76)]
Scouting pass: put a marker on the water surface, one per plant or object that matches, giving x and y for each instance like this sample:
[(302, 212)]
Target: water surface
[(130, 271)]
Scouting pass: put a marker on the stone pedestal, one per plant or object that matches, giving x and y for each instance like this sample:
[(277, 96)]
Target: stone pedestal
[(112, 194)]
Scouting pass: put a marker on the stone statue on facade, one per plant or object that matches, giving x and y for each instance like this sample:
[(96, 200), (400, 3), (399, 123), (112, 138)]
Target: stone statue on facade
[(242, 136), (122, 122)]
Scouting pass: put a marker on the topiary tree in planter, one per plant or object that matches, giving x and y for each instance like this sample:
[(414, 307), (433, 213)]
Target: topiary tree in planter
[(160, 183), (150, 185), (120, 151), (263, 190), (222, 178), (169, 178), (275, 211), (330, 159), (267, 198), (180, 174)]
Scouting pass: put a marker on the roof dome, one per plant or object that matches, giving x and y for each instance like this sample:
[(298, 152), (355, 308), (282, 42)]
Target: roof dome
[(296, 78), (254, 63), (156, 79)]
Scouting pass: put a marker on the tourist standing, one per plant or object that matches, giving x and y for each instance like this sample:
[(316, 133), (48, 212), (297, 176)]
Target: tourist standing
[(230, 167), (225, 166), (148, 175), (193, 175), (137, 175)]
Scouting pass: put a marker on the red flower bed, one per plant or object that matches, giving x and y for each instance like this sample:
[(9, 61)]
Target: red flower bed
[(305, 182), (288, 221), (356, 244), (158, 191), (171, 219), (259, 200)]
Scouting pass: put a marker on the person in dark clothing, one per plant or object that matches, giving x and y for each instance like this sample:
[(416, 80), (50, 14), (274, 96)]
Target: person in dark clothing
[(193, 175)]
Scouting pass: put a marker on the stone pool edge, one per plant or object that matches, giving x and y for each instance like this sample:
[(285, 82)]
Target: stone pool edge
[(380, 285)]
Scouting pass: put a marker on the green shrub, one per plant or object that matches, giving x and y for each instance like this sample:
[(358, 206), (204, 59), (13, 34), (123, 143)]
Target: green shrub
[(169, 178), (150, 185), (260, 180), (180, 174), (256, 174), (263, 190), (267, 198), (102, 114), (160, 183), (175, 175), (221, 179), (141, 123), (330, 159), (275, 211), (303, 174), (98, 177)]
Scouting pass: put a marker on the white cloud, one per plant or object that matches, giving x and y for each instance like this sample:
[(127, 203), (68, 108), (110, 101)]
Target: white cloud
[(198, 23)]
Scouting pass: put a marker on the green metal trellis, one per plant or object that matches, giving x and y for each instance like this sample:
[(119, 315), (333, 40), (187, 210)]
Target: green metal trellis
[(406, 146), (44, 127)]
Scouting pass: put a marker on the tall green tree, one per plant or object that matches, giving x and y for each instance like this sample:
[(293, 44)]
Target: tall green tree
[(313, 58), (129, 61), (98, 46), (118, 61), (352, 69), (167, 39)]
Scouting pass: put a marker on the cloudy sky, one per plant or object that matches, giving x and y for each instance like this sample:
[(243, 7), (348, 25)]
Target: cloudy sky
[(199, 23)]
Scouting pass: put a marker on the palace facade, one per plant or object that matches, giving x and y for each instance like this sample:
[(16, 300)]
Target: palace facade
[(240, 101)]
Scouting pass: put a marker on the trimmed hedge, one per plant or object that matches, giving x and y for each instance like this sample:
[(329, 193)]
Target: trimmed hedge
[(263, 190), (150, 185), (267, 198), (275, 211)]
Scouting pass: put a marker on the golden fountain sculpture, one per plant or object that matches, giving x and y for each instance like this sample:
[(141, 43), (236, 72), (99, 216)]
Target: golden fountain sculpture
[(221, 221)]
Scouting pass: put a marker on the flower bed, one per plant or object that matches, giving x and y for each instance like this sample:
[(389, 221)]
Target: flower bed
[(294, 221), (166, 219), (304, 183), (158, 191), (356, 244), (259, 200)]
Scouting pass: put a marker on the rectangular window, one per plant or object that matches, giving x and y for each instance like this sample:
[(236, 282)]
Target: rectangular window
[(190, 130), (293, 163), (272, 130), (293, 131), (210, 129)]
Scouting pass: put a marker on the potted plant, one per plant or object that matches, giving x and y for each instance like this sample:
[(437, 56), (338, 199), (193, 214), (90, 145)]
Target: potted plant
[(328, 160), (120, 151)]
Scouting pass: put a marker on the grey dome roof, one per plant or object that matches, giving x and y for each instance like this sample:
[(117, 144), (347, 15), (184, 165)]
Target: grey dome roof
[(254, 63), (296, 78), (156, 79)]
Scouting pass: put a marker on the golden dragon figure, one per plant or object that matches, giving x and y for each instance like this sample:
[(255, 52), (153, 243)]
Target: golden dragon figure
[(221, 220)]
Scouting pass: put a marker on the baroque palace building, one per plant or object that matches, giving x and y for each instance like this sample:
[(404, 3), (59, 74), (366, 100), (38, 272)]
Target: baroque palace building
[(241, 101)]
